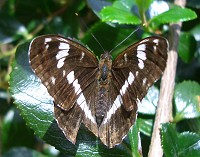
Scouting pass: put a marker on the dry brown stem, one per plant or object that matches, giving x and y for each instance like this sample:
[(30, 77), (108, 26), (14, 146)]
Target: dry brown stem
[(164, 108)]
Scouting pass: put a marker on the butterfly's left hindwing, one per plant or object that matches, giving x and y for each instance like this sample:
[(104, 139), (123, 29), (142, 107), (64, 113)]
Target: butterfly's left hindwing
[(66, 68)]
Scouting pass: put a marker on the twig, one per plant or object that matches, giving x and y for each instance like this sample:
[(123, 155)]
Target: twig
[(34, 32), (164, 108), (49, 19)]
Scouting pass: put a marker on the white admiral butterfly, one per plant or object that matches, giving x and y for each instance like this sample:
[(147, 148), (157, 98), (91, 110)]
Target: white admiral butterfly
[(102, 94)]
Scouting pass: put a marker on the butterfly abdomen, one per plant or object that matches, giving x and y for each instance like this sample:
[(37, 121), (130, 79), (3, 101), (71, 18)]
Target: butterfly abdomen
[(103, 81)]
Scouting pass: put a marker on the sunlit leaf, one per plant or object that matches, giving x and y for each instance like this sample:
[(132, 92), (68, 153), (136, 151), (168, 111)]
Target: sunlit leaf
[(187, 100)]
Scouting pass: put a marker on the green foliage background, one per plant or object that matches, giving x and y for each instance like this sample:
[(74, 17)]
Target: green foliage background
[(26, 119)]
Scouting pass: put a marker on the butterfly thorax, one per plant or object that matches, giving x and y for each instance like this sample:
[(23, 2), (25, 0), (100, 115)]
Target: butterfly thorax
[(103, 81)]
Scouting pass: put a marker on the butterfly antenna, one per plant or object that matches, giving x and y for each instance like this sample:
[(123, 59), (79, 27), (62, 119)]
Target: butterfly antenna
[(91, 33), (98, 42), (125, 39)]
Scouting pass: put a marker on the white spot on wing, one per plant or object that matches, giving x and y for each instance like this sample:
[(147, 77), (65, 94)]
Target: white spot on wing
[(124, 87), (131, 78), (82, 55), (64, 73), (125, 57), (47, 46), (82, 103), (138, 101), (62, 39), (47, 40), (63, 46), (53, 80), (126, 83), (60, 63), (61, 54), (141, 47), (117, 104), (70, 77), (140, 64), (136, 73), (77, 87), (156, 41), (155, 48), (144, 81), (141, 55), (46, 83)]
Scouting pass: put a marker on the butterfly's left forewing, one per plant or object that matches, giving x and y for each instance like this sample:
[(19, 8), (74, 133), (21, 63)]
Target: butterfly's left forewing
[(139, 66), (67, 69), (133, 72)]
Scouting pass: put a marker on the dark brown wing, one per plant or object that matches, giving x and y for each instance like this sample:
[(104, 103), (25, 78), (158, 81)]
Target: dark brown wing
[(133, 72), (66, 68)]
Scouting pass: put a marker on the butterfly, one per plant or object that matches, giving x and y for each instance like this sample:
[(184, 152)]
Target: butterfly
[(102, 94)]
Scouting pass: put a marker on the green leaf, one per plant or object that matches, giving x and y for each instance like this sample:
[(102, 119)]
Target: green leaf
[(185, 144), (102, 33), (187, 47), (145, 126), (23, 152), (120, 12), (97, 5), (187, 100), (15, 131), (149, 103), (12, 29), (143, 4), (135, 141), (36, 107), (176, 14), (195, 31)]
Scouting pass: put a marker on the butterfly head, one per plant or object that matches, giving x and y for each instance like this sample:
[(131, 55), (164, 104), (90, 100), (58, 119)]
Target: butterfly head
[(105, 65), (106, 56)]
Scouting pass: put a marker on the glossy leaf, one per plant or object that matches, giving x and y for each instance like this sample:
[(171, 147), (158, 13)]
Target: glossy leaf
[(15, 131), (156, 8), (121, 12), (176, 14), (143, 4), (196, 33), (185, 144), (186, 47), (97, 5), (149, 103), (187, 100), (134, 137), (23, 152), (145, 126)]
